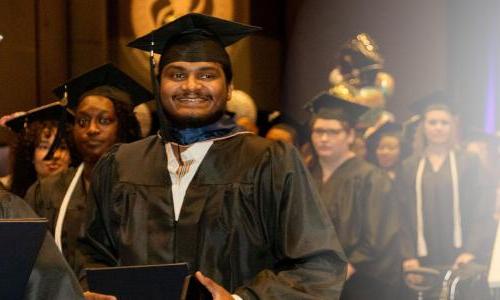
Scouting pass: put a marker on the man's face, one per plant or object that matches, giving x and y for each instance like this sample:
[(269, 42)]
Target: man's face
[(194, 94), (330, 139), (96, 127)]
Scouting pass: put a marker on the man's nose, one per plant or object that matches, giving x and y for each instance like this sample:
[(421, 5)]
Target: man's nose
[(191, 83)]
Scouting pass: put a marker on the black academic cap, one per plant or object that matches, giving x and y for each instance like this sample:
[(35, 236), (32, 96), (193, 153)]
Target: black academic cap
[(267, 120), (224, 31), (328, 104), (115, 83), (437, 98), (387, 128), (52, 111)]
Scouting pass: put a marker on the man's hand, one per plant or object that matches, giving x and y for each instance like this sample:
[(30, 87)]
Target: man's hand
[(410, 264), (350, 270), (217, 291), (96, 296), (463, 259)]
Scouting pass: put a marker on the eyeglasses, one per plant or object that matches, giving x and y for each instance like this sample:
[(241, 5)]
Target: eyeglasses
[(328, 132)]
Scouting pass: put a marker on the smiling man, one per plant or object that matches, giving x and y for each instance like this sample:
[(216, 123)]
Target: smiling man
[(237, 207)]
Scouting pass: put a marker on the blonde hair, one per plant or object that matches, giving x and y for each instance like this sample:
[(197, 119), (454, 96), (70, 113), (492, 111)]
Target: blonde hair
[(420, 142)]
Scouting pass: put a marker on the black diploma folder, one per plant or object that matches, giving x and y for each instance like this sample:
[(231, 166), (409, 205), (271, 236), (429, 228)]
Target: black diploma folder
[(21, 240), (139, 282)]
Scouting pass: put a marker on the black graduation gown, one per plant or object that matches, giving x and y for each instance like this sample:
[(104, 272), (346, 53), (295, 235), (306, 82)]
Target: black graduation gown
[(476, 205), (358, 198), (251, 219), (51, 277), (45, 196)]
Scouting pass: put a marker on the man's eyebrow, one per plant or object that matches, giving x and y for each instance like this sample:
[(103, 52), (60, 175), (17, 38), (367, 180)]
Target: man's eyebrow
[(174, 68), (208, 68)]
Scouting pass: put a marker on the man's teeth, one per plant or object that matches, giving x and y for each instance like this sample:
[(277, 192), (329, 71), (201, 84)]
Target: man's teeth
[(192, 99)]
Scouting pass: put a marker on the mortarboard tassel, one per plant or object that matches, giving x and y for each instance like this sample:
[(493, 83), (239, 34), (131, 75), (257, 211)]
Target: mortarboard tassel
[(61, 127)]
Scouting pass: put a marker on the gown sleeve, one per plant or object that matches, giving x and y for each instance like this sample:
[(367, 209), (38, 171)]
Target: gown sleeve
[(479, 202), (377, 250), (98, 247), (311, 264), (51, 277), (402, 192)]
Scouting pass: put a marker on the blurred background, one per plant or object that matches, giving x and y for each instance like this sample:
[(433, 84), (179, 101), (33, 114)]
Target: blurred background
[(427, 45)]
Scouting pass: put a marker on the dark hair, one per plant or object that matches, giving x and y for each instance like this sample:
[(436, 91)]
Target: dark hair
[(128, 126), (371, 147), (23, 169)]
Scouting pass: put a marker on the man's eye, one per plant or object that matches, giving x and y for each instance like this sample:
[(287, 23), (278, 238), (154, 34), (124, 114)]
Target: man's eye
[(207, 76), (178, 76)]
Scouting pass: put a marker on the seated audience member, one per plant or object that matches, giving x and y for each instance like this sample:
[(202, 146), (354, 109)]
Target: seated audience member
[(102, 100)]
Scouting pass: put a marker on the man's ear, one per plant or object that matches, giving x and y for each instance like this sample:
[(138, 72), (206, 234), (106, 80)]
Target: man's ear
[(351, 135), (229, 91)]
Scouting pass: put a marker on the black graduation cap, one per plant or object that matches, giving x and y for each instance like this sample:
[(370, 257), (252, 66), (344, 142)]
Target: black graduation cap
[(327, 104), (267, 120), (113, 83), (224, 31), (387, 128), (437, 98), (51, 111)]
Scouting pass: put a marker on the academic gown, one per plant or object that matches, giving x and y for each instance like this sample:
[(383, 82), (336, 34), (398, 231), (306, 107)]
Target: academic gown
[(476, 204), (359, 200), (251, 219), (51, 277), (45, 196)]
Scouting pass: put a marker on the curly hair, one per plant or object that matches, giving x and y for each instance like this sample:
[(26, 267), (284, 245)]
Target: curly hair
[(23, 169), (128, 126)]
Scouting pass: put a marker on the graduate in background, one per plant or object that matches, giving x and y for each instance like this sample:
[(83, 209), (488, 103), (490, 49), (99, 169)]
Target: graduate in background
[(102, 99), (445, 198), (386, 148), (37, 130), (357, 196)]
